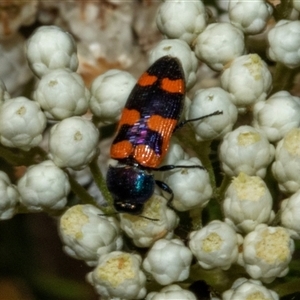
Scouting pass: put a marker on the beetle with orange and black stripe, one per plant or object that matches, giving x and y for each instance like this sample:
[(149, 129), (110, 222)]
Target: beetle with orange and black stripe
[(150, 117)]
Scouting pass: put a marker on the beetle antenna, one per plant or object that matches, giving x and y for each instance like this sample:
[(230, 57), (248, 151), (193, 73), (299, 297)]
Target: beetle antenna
[(117, 213)]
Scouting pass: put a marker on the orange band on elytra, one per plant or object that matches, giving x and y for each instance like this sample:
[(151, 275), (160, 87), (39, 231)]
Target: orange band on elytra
[(147, 79), (129, 117), (172, 86), (121, 150), (161, 124), (146, 156)]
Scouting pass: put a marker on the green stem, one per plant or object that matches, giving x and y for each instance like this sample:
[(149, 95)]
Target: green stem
[(196, 217), (80, 191), (218, 279), (100, 182), (287, 288), (15, 159), (203, 155), (283, 78), (222, 188)]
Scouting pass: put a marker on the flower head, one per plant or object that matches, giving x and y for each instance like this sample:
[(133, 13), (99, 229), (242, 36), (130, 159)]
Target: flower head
[(118, 275), (87, 234), (267, 251)]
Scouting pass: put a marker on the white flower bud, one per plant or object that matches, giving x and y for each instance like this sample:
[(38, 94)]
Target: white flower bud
[(144, 232), (9, 197), (223, 4), (21, 123), (267, 251), (287, 162), (118, 275), (219, 44), (286, 52), (246, 289), (87, 234), (250, 17), (207, 101), (296, 4), (73, 142), (191, 186), (182, 51), (290, 215), (109, 94), (248, 202), (171, 292), (275, 125), (181, 19), (247, 79), (168, 261), (44, 187), (62, 94), (50, 48), (247, 150), (215, 245)]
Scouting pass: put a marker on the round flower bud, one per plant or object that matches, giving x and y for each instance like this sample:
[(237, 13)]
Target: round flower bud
[(9, 197), (44, 187), (290, 215), (21, 123), (109, 94), (145, 231), (50, 48), (191, 186), (219, 44), (118, 275), (181, 19), (171, 292), (286, 166), (275, 125), (216, 245), (73, 142), (87, 234), (286, 52), (62, 94), (296, 4), (248, 202), (267, 252), (247, 150), (223, 4), (246, 289), (250, 17), (247, 79), (207, 101), (168, 261), (182, 51)]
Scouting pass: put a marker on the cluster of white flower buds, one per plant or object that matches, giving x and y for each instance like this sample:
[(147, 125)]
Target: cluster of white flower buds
[(252, 206)]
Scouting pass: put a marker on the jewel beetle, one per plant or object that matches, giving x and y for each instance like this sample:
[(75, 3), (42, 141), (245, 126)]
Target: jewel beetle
[(149, 118)]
